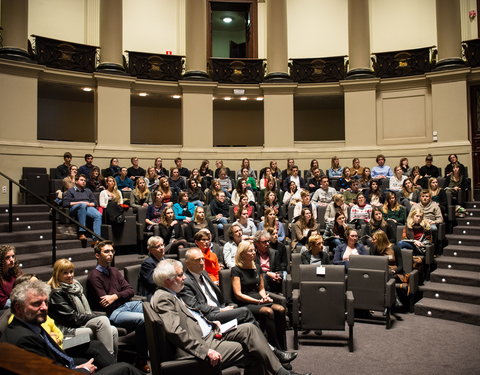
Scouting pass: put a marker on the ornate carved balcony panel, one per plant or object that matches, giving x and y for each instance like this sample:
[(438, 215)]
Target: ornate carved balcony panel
[(403, 63), (237, 70), (65, 55), (155, 66), (326, 69), (471, 51)]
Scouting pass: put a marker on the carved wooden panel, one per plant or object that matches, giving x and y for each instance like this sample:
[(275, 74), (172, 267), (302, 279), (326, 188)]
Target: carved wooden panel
[(327, 69), (65, 55), (155, 66), (403, 63), (237, 70)]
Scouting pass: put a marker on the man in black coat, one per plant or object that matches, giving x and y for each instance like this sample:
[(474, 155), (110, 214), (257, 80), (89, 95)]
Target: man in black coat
[(30, 306)]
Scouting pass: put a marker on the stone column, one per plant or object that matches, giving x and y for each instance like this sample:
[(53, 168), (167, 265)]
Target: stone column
[(449, 35), (358, 40), (111, 33), (15, 30), (277, 41), (196, 40)]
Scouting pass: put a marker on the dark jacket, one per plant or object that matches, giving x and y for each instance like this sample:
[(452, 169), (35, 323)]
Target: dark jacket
[(146, 285)]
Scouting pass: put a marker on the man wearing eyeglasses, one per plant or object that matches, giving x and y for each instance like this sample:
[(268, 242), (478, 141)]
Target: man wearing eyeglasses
[(108, 291), (156, 250)]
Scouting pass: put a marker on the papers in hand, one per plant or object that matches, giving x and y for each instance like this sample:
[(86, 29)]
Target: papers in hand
[(228, 326)]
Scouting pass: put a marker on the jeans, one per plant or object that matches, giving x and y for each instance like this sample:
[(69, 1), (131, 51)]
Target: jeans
[(220, 222), (130, 316), (82, 211)]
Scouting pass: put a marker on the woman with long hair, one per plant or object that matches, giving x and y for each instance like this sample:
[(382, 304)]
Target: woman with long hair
[(249, 290), (292, 196), (248, 226), (303, 228), (171, 231), (357, 169), (392, 210), (337, 205), (417, 178), (267, 175), (111, 193), (246, 164), (154, 210), (270, 202), (198, 223), (69, 181), (406, 170), (452, 160), (361, 211), (334, 235), (409, 194), (345, 181), (243, 203), (215, 188), (152, 179), (195, 175), (141, 196), (69, 307), (9, 272), (195, 193), (313, 165), (438, 194), (416, 234), (335, 170), (383, 247), (366, 178), (454, 184), (270, 220), (95, 182), (376, 223), (206, 173), (167, 193), (276, 171), (374, 194), (242, 189), (158, 165)]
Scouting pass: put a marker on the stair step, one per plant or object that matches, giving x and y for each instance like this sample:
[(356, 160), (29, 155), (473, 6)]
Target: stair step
[(462, 251), (468, 221), (17, 208), (455, 277), (467, 230), (25, 216), (472, 204), (473, 212), (462, 239), (82, 267), (451, 292), (31, 235), (26, 225), (44, 245), (449, 310), (458, 263), (44, 258)]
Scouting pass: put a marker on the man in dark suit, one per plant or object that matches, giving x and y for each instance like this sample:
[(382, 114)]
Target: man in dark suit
[(156, 249), (269, 261), (30, 306), (193, 335)]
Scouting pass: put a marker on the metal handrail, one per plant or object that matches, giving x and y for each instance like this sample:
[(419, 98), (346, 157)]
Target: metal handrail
[(54, 212)]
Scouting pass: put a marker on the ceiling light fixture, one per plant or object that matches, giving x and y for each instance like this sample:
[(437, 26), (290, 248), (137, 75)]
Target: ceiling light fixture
[(259, 98), (239, 91), (243, 98), (176, 96), (227, 98), (87, 89), (142, 94), (227, 19)]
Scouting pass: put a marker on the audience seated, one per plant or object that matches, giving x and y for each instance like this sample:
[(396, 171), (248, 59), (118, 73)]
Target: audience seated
[(277, 245), (249, 290), (397, 180), (314, 252), (334, 234), (432, 211), (266, 176), (374, 194), (219, 210), (394, 211), (195, 193), (381, 171), (417, 179), (417, 232), (171, 231), (324, 194), (158, 165), (203, 240), (69, 181), (182, 171), (95, 182), (438, 194), (361, 211), (242, 189), (62, 170), (366, 178), (357, 169), (292, 195), (270, 220), (376, 223), (151, 179), (225, 182), (243, 203), (156, 253), (235, 235), (287, 172), (113, 169), (176, 181), (303, 228), (111, 193), (206, 173), (124, 183), (86, 169), (295, 177), (410, 194), (198, 223), (350, 196), (269, 261), (135, 170), (453, 159), (183, 209), (310, 173), (429, 170), (169, 196), (9, 272), (383, 247), (350, 247), (345, 181), (108, 291), (141, 196), (337, 205), (406, 170), (315, 180), (69, 307), (305, 203), (248, 226), (276, 172), (219, 165), (246, 164), (454, 184), (270, 202), (335, 170)]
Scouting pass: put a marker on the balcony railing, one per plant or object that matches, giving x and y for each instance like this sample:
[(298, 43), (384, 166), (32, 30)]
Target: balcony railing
[(65, 55), (236, 70), (317, 70), (404, 63), (155, 66)]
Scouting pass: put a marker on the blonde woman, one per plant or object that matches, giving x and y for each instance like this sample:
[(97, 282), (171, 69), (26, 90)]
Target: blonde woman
[(110, 194), (249, 290), (69, 307), (141, 196), (416, 233)]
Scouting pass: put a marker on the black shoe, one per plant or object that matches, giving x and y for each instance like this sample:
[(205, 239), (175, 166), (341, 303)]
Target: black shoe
[(287, 366), (285, 357)]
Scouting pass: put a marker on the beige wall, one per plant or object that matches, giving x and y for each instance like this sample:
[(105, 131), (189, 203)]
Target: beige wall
[(406, 24), (238, 127), (317, 28), (156, 125)]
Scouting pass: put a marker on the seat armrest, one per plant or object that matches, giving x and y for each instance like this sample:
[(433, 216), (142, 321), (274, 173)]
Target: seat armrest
[(288, 286), (429, 251), (390, 293), (350, 308), (413, 281), (296, 305)]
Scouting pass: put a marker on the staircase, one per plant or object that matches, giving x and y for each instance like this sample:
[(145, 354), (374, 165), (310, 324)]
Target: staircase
[(453, 292), (32, 234)]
